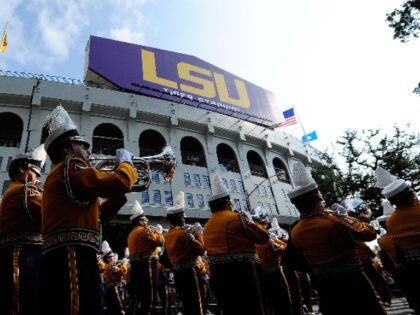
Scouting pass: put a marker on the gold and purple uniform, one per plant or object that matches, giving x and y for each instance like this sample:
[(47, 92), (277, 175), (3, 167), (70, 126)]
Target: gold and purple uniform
[(275, 286), (143, 243), (20, 248), (184, 249), (404, 228), (71, 218), (114, 278), (327, 244), (235, 269)]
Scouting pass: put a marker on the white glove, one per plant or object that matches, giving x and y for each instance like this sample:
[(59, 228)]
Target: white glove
[(124, 156), (198, 228)]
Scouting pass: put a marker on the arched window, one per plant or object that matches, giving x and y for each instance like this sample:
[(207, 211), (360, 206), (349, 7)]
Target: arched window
[(11, 128), (192, 152), (151, 142), (227, 158), (281, 171), (256, 164), (106, 139)]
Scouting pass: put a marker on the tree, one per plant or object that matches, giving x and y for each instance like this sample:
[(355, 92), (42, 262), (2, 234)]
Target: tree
[(405, 20), (361, 153), (329, 179)]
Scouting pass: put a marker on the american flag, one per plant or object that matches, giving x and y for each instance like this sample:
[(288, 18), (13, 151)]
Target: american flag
[(289, 118)]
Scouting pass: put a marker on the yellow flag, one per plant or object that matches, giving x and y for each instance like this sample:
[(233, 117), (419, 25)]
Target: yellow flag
[(3, 44)]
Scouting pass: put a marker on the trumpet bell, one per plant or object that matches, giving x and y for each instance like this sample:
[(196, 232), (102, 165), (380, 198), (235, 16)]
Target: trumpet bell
[(164, 163)]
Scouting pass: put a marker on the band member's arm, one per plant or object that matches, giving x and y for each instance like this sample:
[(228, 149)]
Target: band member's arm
[(257, 233), (120, 270), (360, 230), (88, 181), (155, 238), (279, 246), (195, 243), (33, 202), (110, 207)]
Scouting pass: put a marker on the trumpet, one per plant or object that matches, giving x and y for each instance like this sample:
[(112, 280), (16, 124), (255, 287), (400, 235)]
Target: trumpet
[(164, 163)]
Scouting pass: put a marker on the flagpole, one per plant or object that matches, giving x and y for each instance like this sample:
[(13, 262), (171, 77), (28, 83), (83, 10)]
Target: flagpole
[(4, 31), (301, 125)]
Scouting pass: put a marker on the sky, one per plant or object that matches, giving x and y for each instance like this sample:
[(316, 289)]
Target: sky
[(335, 61)]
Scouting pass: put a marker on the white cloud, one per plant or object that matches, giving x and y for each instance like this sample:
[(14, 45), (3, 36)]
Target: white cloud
[(60, 24), (125, 34), (44, 34), (127, 22)]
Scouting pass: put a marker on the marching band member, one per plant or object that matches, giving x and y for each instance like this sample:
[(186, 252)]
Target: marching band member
[(114, 276), (323, 245), (20, 235), (71, 215), (404, 228), (235, 269), (143, 242), (275, 287), (364, 252), (184, 246)]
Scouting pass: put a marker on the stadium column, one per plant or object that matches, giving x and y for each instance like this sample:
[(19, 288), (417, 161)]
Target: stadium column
[(271, 172), (177, 182), (85, 120), (133, 133), (34, 125)]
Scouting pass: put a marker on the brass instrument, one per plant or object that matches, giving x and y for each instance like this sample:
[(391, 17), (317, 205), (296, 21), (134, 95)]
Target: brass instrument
[(164, 162)]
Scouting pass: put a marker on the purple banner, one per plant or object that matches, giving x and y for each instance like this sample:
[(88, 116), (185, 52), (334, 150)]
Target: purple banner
[(180, 78)]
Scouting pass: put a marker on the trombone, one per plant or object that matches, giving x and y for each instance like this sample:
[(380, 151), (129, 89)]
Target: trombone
[(164, 163)]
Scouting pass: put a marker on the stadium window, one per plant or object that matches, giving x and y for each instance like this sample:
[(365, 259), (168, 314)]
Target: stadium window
[(168, 198), (11, 128), (200, 200), (245, 205), (187, 179), (256, 164), (227, 158), (190, 200), (151, 143), (192, 152), (156, 197), (6, 184), (237, 204), (206, 181), (106, 139), (264, 192), (233, 186), (197, 181), (241, 186), (155, 176), (225, 183), (145, 196), (281, 171)]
